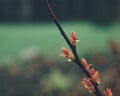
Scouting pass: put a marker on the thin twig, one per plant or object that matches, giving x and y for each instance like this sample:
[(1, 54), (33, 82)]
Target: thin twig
[(73, 48), (77, 61)]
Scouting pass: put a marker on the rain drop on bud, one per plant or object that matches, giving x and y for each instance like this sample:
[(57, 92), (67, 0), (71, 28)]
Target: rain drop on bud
[(77, 40), (98, 82), (69, 60)]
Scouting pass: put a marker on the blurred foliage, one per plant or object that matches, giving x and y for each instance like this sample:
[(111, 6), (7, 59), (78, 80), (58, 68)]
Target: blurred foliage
[(38, 75), (44, 37)]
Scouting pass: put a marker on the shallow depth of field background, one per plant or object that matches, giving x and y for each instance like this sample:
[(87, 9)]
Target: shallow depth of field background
[(30, 46)]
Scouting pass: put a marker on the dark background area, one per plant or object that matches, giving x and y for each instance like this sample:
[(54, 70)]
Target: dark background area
[(98, 11)]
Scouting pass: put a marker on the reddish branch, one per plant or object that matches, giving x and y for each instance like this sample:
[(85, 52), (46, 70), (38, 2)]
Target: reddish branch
[(73, 48)]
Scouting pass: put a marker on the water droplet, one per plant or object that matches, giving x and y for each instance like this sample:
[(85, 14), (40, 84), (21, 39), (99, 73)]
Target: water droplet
[(91, 91), (69, 60), (77, 40), (98, 82)]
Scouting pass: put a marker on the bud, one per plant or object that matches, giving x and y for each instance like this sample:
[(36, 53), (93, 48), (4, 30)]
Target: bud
[(87, 83), (108, 92), (85, 64), (66, 53), (73, 38), (94, 74), (95, 77)]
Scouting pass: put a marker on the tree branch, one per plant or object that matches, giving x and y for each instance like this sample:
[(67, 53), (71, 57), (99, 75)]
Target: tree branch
[(73, 48)]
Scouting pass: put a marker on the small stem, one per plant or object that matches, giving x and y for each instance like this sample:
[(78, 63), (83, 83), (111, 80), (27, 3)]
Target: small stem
[(56, 22), (73, 48)]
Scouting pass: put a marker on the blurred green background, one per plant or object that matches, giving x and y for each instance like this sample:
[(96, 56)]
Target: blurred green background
[(46, 36), (30, 46)]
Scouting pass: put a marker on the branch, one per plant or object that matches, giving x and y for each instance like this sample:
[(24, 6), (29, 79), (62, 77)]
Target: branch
[(73, 48)]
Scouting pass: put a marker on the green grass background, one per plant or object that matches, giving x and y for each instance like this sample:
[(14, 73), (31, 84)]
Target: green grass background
[(45, 36)]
